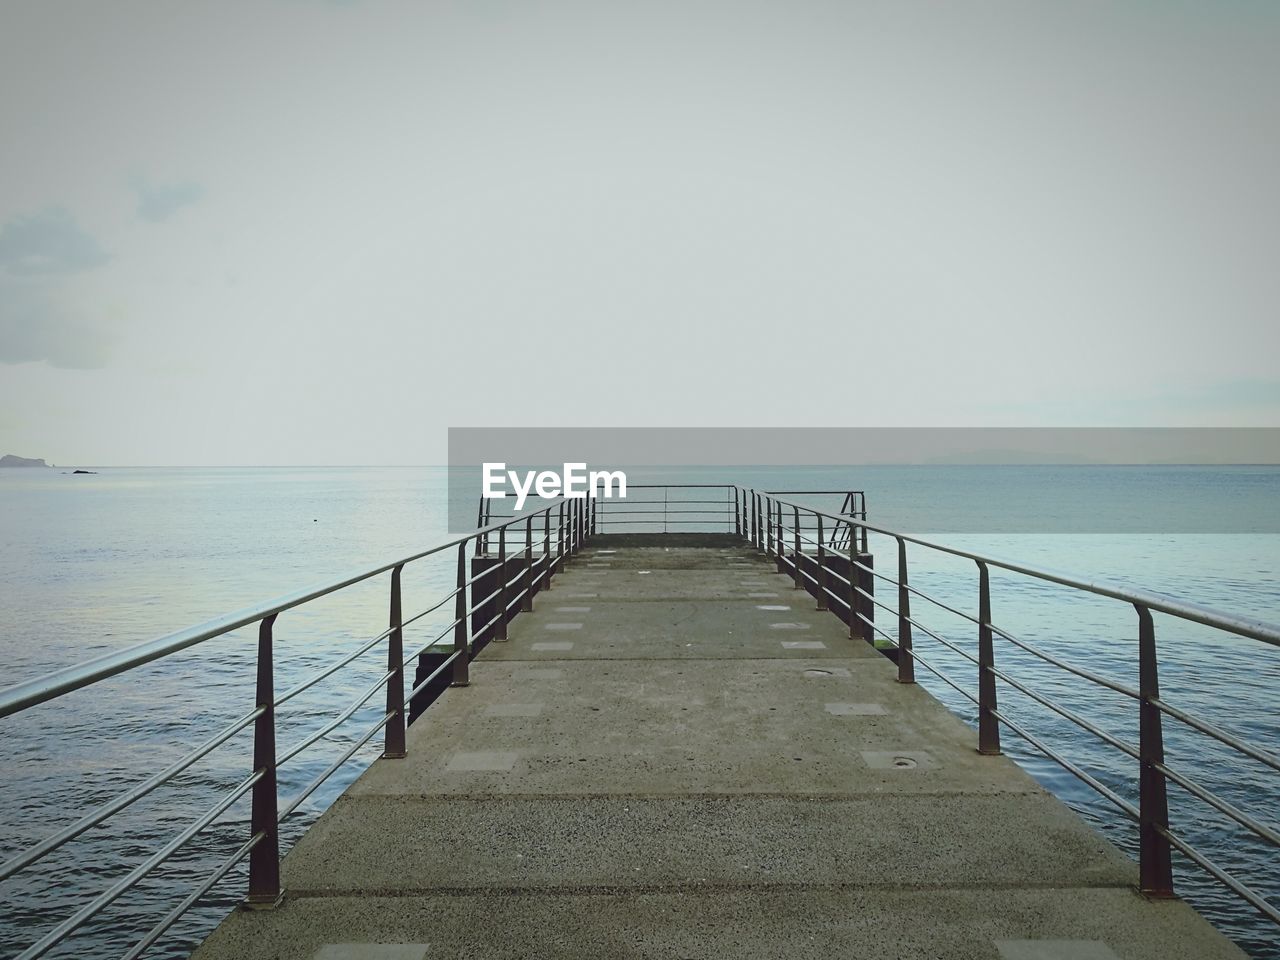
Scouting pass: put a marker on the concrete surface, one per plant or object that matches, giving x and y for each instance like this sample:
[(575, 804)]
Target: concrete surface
[(652, 767)]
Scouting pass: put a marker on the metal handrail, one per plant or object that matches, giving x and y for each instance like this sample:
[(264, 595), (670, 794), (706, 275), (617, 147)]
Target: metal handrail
[(566, 525), (1241, 626), (787, 541), (28, 693), (568, 518)]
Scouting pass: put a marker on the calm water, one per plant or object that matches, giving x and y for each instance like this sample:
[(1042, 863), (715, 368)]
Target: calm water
[(94, 563)]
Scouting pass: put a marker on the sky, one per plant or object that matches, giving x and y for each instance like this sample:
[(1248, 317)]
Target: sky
[(303, 232)]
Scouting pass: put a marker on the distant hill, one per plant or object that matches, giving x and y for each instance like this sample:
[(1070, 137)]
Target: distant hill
[(9, 460)]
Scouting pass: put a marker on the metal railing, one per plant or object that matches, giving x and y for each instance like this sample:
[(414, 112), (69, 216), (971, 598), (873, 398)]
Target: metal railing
[(557, 531), (805, 541), (692, 507), (797, 537), (649, 508)]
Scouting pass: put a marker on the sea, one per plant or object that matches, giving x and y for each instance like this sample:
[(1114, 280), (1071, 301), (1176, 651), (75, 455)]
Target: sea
[(93, 563)]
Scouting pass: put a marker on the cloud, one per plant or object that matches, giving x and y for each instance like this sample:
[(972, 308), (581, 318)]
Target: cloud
[(34, 326), (48, 243), (38, 253), (159, 201)]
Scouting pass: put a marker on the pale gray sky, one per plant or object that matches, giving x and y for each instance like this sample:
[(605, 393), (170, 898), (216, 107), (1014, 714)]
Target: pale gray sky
[(308, 232)]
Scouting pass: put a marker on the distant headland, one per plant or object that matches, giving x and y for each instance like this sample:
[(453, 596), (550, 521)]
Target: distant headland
[(10, 460)]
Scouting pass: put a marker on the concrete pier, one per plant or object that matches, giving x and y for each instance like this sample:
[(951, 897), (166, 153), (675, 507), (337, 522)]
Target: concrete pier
[(675, 755)]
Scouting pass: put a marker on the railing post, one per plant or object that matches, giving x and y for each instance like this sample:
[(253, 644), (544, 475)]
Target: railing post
[(822, 567), (264, 859), (501, 632), (461, 626), (853, 591), (560, 538), (393, 746), (759, 521), (571, 528), (988, 725), (906, 661), (1154, 863), (768, 526), (795, 519), (778, 546), (594, 502), (526, 602), (546, 548), (737, 513)]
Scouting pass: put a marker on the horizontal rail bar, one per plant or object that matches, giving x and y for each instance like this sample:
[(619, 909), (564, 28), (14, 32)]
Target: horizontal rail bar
[(1069, 714), (944, 678), (1241, 626), (605, 519), (1223, 806), (1125, 806), (41, 689), (434, 673), (938, 603), (332, 668), (1078, 671), (60, 932), (1265, 908), (174, 915), (946, 643), (52, 842), (329, 770), (430, 643), (1219, 734), (336, 722), (816, 493)]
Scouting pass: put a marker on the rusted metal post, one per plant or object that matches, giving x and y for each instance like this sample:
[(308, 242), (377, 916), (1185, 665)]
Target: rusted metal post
[(768, 526), (795, 519), (988, 725), (737, 513), (906, 662), (526, 602), (853, 590), (560, 538), (822, 567), (264, 859), (546, 547), (393, 745), (778, 545), (1154, 863), (461, 626), (501, 632), (570, 514)]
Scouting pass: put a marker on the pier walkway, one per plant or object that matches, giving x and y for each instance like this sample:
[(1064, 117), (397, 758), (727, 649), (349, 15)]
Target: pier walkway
[(674, 755)]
